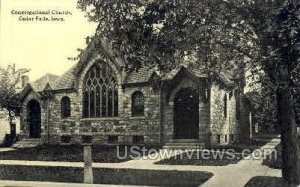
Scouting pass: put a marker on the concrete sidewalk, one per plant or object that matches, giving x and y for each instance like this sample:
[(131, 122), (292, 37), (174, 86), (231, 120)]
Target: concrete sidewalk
[(3, 149), (52, 184), (239, 174), (230, 175)]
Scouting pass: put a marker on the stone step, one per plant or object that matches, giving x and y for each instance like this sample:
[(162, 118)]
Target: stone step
[(184, 145), (31, 140), (185, 141), (28, 142)]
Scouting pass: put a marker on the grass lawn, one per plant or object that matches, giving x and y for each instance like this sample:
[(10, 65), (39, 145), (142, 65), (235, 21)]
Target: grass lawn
[(105, 175), (218, 155), (238, 147), (70, 153), (266, 181), (274, 161)]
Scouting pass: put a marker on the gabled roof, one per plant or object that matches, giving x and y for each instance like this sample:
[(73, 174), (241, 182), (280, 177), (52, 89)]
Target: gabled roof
[(66, 80), (195, 71), (225, 79), (94, 48), (46, 82), (198, 73), (140, 76), (41, 83)]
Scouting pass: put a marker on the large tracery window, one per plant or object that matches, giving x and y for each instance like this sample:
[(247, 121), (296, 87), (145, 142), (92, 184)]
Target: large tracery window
[(100, 92)]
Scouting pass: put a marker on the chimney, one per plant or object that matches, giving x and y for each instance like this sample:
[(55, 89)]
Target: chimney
[(25, 80)]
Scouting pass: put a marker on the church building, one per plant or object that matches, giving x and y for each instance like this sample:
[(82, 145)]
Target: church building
[(97, 102)]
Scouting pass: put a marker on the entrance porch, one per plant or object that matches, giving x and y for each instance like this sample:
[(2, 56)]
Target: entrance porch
[(186, 112)]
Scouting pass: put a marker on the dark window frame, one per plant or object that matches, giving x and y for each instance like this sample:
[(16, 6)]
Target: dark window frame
[(137, 104), (112, 139), (138, 140), (65, 107), (87, 139), (225, 105), (231, 138), (65, 139)]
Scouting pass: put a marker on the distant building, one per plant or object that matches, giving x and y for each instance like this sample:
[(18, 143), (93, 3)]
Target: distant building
[(96, 101), (5, 127)]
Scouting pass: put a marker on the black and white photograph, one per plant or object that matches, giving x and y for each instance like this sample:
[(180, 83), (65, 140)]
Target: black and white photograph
[(150, 93)]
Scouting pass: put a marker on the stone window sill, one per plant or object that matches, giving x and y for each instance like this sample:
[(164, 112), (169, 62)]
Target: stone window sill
[(66, 144), (100, 119), (67, 119), (137, 117)]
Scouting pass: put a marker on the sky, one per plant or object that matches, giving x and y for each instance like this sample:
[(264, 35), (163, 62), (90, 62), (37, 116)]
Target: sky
[(42, 46)]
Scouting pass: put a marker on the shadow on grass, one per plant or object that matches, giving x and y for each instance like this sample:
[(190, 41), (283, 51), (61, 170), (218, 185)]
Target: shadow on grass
[(69, 153), (192, 158), (274, 160), (214, 156), (264, 181), (105, 175)]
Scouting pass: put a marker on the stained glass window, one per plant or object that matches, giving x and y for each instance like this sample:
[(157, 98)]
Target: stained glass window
[(100, 92)]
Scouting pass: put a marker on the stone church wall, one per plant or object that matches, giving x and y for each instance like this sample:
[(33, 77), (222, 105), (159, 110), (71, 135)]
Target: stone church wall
[(60, 126), (156, 126), (224, 130), (124, 126)]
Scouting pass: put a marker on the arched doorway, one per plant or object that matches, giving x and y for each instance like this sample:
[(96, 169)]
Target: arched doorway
[(186, 114), (34, 119)]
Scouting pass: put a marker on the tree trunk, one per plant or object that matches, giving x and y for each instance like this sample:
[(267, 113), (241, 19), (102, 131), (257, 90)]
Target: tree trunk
[(289, 139), (10, 119)]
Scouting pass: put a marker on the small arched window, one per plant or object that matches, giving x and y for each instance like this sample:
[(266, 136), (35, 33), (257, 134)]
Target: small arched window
[(65, 107), (225, 106), (137, 104)]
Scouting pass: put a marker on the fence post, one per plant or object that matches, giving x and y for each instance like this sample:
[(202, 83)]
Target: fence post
[(88, 170)]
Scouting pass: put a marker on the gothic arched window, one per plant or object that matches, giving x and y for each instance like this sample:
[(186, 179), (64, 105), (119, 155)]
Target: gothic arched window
[(100, 92), (65, 107), (137, 108)]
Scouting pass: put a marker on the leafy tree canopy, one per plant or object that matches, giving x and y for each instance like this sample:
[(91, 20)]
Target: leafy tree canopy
[(261, 36), (10, 83)]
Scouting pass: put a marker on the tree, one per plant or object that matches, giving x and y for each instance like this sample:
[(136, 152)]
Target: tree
[(278, 41), (284, 53), (225, 35), (263, 103), (10, 83)]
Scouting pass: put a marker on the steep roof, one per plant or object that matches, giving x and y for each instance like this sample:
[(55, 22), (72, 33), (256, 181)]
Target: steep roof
[(41, 83), (225, 78), (199, 73), (140, 76), (66, 80), (195, 71), (97, 47)]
